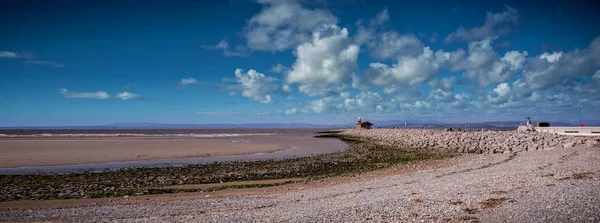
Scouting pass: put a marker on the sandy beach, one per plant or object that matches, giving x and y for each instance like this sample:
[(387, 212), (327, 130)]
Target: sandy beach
[(51, 152)]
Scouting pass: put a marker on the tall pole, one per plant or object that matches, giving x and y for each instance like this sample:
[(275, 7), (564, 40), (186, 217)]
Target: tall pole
[(450, 114), (580, 107), (466, 118)]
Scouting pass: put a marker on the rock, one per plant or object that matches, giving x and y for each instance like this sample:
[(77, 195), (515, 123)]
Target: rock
[(568, 145)]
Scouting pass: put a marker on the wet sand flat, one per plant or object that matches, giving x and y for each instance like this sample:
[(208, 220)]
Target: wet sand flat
[(51, 152)]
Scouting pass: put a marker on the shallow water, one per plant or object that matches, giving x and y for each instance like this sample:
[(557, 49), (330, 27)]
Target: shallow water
[(298, 143)]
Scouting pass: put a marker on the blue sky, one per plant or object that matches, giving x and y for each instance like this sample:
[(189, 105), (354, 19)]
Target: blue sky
[(312, 61)]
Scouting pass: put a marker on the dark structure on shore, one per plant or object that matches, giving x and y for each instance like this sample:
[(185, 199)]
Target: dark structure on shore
[(363, 125)]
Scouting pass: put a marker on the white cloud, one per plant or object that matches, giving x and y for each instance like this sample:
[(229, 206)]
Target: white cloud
[(45, 63), (462, 100), (439, 95), (551, 57), (219, 113), (127, 96), (484, 65), (381, 17), (391, 45), (496, 24), (8, 54), (365, 101), (186, 81), (239, 51), (345, 94), (282, 25), (293, 111), (95, 95), (321, 89), (521, 89), (502, 89), (280, 68), (287, 88), (29, 59), (408, 71), (328, 59), (446, 84), (255, 85), (319, 106), (366, 34), (417, 106), (326, 105), (552, 69)]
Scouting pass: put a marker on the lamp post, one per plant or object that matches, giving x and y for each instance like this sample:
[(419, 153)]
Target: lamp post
[(466, 118), (450, 114), (580, 107)]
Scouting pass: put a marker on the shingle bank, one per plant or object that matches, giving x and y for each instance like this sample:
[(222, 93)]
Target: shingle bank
[(474, 141)]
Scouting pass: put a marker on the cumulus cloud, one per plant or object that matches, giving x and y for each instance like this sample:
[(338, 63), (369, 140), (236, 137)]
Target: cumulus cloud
[(186, 81), (287, 88), (500, 94), (446, 83), (328, 59), (280, 68), (367, 34), (326, 105), (365, 101), (127, 96), (391, 45), (440, 96), (283, 25), (485, 66), (551, 69), (417, 106), (496, 24), (255, 85), (94, 95), (408, 71), (521, 89), (462, 101)]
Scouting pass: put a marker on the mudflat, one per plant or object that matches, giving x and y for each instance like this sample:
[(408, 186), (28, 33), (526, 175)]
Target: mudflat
[(51, 152)]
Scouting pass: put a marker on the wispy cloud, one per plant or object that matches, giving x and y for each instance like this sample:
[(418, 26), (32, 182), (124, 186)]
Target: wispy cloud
[(29, 59), (45, 63), (15, 55), (187, 81), (220, 113), (239, 51), (98, 95), (8, 54), (127, 96), (94, 95)]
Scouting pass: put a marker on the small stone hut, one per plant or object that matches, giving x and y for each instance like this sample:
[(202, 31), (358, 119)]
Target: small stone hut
[(363, 125)]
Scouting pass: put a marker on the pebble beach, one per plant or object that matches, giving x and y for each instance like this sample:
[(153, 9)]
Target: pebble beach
[(501, 177)]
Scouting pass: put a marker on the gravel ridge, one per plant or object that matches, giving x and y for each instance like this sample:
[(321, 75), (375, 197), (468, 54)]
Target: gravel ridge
[(474, 141)]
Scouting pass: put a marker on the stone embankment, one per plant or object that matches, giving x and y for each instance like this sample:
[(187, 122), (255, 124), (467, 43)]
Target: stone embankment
[(474, 141)]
